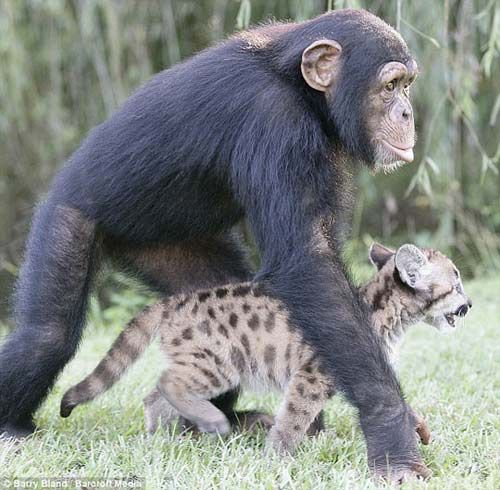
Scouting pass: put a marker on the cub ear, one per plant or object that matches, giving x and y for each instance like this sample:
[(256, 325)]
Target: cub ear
[(410, 263), (321, 64), (379, 255)]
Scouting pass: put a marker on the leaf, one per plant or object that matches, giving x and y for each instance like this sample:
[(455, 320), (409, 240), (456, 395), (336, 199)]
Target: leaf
[(434, 166), (494, 111), (244, 15)]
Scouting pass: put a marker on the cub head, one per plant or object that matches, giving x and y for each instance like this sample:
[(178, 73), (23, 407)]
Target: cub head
[(430, 277)]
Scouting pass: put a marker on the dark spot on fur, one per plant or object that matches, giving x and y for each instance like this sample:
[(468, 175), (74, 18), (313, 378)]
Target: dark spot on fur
[(254, 322), (315, 397), (233, 320), (270, 322), (211, 313), (213, 355), (204, 327), (291, 407), (199, 355), (211, 377), (253, 366), (241, 290), (101, 372), (203, 296), (246, 307), (246, 344), (287, 352), (269, 354), (176, 342), (221, 308), (223, 331), (221, 293), (300, 389), (237, 359), (296, 428), (308, 368), (312, 379), (194, 311), (199, 384), (187, 334), (181, 304)]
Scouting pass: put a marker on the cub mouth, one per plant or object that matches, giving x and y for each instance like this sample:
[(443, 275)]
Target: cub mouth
[(450, 318), (460, 312)]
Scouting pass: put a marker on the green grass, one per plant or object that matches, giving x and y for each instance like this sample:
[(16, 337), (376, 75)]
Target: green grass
[(453, 380)]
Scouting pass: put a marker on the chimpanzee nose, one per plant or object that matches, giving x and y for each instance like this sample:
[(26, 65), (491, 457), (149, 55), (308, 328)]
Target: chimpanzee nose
[(462, 310)]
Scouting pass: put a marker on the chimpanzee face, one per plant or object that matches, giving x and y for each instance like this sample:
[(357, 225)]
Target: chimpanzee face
[(389, 116), (371, 112)]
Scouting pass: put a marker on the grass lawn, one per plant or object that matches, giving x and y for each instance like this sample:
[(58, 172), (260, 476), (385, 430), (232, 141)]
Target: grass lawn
[(452, 379)]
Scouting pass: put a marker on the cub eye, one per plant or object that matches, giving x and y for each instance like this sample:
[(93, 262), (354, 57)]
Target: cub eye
[(390, 86), (457, 275)]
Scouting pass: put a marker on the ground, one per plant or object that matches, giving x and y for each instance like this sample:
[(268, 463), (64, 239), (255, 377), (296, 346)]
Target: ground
[(452, 379)]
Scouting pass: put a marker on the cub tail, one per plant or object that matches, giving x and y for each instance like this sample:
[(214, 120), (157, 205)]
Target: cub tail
[(126, 349)]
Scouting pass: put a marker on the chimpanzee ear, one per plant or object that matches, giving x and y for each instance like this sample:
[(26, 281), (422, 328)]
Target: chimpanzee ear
[(410, 263), (379, 255), (321, 63)]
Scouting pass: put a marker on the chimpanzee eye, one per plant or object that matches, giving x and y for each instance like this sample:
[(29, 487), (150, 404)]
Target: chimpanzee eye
[(390, 86)]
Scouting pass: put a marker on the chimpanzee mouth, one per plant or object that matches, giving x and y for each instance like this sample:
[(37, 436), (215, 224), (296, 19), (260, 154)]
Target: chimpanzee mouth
[(403, 154)]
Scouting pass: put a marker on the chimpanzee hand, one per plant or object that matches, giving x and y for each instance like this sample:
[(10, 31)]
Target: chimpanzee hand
[(422, 428)]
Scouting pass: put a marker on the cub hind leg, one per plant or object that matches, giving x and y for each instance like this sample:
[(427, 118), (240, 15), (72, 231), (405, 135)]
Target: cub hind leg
[(305, 397), (192, 401), (157, 411)]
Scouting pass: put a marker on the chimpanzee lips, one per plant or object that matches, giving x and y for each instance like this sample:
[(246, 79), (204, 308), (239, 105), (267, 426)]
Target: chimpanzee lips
[(404, 154)]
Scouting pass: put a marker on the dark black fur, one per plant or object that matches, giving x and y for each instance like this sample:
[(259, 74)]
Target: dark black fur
[(232, 132)]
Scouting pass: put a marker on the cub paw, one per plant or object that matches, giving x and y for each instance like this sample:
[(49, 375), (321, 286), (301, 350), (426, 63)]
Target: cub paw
[(280, 442), (219, 427)]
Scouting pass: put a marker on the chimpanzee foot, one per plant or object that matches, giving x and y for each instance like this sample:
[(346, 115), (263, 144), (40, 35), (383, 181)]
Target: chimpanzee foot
[(16, 432), (392, 445), (400, 475)]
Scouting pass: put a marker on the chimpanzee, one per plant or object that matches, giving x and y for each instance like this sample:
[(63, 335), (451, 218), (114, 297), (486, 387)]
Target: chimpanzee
[(260, 127)]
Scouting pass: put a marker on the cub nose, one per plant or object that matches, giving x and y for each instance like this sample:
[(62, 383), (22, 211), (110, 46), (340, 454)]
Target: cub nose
[(462, 310)]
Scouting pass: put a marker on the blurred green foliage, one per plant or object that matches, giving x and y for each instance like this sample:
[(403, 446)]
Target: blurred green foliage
[(67, 64)]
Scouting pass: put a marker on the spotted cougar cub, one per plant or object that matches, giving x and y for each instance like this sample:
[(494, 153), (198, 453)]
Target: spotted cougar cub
[(215, 340)]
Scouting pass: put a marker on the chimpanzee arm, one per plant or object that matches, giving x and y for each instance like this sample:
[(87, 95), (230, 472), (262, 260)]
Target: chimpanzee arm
[(284, 188)]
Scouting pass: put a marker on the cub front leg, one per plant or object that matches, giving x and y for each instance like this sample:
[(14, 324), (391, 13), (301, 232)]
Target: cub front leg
[(304, 399)]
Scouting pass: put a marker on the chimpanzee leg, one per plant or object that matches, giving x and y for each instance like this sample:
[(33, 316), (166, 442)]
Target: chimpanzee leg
[(171, 269), (50, 305)]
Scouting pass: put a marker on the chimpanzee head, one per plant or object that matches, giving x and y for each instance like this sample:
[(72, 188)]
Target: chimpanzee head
[(364, 68)]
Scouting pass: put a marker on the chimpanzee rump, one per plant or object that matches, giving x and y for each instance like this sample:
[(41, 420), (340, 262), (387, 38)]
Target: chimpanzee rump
[(257, 127)]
